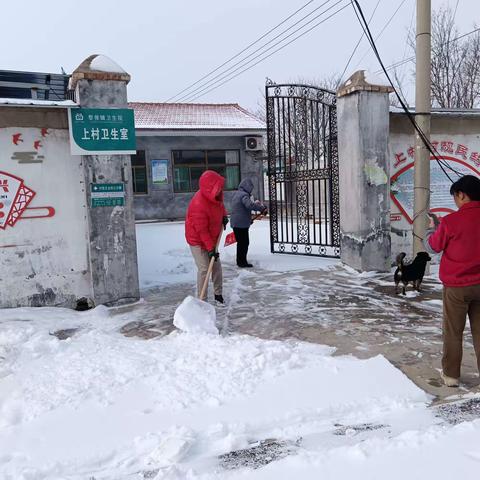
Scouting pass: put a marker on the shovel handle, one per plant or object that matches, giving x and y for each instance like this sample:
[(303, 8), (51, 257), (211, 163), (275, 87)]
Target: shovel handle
[(210, 268)]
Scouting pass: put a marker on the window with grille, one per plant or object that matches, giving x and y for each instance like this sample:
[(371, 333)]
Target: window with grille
[(188, 165), (139, 173)]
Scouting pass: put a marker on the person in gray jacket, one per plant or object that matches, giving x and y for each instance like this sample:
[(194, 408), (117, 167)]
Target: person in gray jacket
[(241, 218)]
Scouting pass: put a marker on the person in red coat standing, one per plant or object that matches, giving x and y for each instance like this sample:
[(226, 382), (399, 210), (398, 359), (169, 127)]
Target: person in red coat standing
[(458, 237), (206, 216)]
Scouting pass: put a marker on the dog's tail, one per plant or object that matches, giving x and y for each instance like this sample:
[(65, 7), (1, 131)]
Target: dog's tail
[(399, 260)]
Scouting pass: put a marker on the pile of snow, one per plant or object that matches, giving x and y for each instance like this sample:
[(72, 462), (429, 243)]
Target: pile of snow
[(195, 316), (104, 406), (374, 79), (102, 63)]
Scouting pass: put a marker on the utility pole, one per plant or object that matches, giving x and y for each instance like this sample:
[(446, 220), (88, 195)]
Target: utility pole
[(422, 116)]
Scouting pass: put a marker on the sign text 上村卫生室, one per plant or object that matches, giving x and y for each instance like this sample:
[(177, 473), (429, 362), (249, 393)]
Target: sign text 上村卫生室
[(102, 131)]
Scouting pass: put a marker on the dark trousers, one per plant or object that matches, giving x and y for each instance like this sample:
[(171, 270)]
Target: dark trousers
[(458, 302), (243, 241)]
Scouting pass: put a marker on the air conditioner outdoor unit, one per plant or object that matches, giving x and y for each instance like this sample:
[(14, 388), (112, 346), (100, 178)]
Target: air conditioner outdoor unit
[(253, 144)]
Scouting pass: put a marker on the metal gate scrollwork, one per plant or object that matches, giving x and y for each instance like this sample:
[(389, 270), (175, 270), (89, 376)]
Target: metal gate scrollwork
[(303, 170)]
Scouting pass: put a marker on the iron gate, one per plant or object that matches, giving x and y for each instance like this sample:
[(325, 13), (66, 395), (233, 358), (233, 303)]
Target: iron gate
[(303, 170)]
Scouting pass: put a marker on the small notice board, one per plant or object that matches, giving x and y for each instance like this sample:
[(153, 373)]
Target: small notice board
[(107, 194)]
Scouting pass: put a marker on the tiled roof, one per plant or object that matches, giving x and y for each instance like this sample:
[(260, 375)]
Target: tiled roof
[(194, 116)]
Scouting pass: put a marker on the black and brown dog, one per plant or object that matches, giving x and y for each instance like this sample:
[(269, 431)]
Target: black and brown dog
[(412, 272)]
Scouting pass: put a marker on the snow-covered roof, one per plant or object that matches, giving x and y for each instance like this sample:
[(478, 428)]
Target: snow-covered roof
[(37, 103), (194, 116), (460, 112)]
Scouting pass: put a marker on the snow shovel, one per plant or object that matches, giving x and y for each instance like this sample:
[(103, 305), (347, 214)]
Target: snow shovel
[(230, 238), (194, 315)]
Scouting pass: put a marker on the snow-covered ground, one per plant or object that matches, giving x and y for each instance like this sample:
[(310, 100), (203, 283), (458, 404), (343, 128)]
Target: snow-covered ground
[(100, 405), (164, 256)]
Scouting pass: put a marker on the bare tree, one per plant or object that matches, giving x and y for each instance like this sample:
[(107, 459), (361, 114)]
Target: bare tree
[(260, 110), (330, 82), (455, 63)]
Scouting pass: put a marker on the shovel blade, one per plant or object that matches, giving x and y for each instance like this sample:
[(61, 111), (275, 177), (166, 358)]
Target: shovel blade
[(195, 316)]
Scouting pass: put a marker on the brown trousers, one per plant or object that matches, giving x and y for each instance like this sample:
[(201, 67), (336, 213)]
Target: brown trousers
[(202, 261), (458, 302)]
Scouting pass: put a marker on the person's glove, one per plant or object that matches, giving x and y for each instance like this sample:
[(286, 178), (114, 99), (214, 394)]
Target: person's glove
[(225, 222), (213, 254)]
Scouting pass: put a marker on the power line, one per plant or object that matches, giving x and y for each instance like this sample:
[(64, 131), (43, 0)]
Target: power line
[(420, 132), (247, 60), (431, 148), (389, 21), (426, 141), (250, 45), (358, 44), (408, 32), (409, 59), (397, 64), (455, 11), (397, 77), (275, 51), (244, 50)]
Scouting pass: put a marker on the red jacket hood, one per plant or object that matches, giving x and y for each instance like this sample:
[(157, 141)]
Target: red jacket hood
[(211, 185)]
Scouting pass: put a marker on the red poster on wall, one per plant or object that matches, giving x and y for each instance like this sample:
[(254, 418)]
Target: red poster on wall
[(455, 157), (14, 199)]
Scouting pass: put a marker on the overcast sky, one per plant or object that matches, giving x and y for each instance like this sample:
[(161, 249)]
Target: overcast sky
[(167, 45)]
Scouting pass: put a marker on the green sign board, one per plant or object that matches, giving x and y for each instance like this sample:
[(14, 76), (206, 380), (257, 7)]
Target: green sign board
[(107, 194), (97, 131)]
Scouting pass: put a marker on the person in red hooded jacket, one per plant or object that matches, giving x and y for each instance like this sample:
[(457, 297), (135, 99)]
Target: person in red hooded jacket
[(458, 237), (206, 216)]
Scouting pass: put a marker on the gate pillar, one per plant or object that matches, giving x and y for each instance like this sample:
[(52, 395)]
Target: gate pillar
[(100, 83), (363, 132)]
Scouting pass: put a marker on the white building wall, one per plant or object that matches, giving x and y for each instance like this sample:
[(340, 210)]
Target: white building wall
[(43, 255)]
